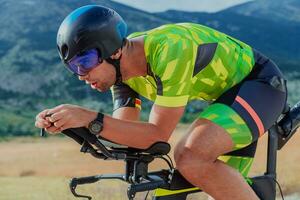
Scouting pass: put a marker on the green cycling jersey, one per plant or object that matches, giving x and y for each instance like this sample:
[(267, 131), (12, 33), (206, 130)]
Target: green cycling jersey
[(190, 61)]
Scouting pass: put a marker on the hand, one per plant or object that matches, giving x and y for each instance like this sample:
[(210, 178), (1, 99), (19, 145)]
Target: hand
[(41, 120), (67, 116)]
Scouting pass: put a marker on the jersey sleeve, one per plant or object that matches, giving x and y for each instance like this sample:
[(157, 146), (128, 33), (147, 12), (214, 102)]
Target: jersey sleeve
[(173, 69), (124, 96)]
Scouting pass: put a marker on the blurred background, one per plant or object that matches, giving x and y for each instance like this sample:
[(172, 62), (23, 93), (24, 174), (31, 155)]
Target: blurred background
[(32, 78)]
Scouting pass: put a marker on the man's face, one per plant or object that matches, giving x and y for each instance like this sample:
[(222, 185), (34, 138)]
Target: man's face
[(101, 77)]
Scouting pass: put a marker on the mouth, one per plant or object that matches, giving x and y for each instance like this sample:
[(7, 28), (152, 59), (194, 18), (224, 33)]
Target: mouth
[(94, 85)]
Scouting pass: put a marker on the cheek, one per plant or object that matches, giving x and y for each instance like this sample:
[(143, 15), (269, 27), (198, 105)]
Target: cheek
[(103, 72), (97, 73), (108, 72)]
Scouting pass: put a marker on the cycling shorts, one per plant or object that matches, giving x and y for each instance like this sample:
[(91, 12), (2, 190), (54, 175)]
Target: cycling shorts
[(249, 109)]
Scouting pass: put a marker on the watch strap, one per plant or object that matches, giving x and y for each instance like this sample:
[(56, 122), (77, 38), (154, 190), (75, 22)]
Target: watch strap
[(99, 117)]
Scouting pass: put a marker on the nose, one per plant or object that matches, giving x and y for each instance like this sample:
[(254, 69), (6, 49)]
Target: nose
[(83, 78)]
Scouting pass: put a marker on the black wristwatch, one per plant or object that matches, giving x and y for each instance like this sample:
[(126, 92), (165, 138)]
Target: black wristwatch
[(96, 126)]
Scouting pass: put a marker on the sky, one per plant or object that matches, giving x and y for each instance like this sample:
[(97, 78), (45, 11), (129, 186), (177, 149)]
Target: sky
[(187, 5)]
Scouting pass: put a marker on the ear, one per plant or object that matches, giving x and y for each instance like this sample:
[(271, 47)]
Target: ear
[(117, 54)]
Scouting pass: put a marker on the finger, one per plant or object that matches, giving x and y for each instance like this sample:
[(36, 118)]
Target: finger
[(52, 130), (41, 114), (60, 123), (57, 116), (41, 120), (41, 123), (62, 128), (58, 108)]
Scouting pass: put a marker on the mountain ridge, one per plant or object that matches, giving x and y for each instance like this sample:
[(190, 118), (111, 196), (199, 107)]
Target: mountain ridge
[(275, 10)]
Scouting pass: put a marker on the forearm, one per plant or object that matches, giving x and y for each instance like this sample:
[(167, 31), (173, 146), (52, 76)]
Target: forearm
[(162, 122), (132, 133)]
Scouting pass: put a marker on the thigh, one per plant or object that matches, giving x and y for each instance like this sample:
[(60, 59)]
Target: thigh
[(247, 111), (257, 103), (204, 140)]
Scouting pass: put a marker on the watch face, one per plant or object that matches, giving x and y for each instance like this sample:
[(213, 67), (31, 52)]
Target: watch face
[(96, 127)]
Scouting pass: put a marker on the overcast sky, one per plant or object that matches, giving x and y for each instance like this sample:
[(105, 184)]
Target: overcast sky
[(187, 5)]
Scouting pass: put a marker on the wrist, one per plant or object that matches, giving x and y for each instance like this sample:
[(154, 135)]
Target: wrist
[(92, 115), (96, 126)]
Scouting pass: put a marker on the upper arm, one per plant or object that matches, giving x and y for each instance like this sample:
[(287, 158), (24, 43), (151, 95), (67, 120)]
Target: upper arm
[(127, 113), (172, 66), (127, 104), (173, 71), (165, 119)]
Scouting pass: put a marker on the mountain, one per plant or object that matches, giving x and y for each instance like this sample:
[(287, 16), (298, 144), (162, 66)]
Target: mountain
[(28, 43), (275, 10), (277, 39)]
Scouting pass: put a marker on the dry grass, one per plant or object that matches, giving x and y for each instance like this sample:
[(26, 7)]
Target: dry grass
[(36, 168)]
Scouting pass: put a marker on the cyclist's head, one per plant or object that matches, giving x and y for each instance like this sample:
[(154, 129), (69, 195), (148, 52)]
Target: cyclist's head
[(86, 30)]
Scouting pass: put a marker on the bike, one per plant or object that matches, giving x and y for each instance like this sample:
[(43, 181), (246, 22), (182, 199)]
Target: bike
[(169, 183)]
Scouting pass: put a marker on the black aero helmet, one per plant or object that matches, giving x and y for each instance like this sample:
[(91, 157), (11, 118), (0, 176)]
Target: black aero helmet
[(90, 27)]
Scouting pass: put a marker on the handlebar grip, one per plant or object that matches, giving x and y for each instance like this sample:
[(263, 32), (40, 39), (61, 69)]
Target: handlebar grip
[(291, 121), (84, 180), (146, 186), (42, 132)]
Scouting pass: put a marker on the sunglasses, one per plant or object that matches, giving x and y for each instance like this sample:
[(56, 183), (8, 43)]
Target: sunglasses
[(83, 63)]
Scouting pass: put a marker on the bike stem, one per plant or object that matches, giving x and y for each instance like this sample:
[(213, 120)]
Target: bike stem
[(272, 151)]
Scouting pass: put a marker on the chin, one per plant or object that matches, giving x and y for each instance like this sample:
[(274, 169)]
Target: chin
[(103, 89), (100, 90)]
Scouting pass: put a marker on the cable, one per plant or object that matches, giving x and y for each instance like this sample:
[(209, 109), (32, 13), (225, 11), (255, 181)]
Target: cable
[(167, 161), (279, 188), (147, 195), (170, 160)]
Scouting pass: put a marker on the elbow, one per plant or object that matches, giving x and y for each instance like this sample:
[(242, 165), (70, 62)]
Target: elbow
[(154, 134), (165, 137), (155, 139), (161, 135)]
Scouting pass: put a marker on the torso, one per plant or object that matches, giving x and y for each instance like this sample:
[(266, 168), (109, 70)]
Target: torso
[(189, 61)]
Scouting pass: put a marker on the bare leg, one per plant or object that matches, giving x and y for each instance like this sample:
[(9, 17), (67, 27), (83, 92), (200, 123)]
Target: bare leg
[(210, 198), (196, 158)]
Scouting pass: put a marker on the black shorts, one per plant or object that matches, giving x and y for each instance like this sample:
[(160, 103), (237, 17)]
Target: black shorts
[(264, 90), (249, 109)]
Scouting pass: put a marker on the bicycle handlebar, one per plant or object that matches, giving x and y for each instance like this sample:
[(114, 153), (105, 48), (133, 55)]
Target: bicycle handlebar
[(291, 121), (288, 125)]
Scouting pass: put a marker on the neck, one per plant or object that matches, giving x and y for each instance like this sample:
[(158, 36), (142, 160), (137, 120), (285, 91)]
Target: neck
[(133, 61)]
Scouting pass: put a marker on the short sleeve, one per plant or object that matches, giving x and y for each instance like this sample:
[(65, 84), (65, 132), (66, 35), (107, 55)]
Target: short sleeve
[(173, 69), (124, 96)]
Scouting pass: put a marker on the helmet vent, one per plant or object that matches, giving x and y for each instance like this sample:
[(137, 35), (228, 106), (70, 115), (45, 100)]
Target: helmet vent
[(64, 51)]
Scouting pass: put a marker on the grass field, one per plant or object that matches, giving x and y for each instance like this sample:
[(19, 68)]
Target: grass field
[(36, 168)]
